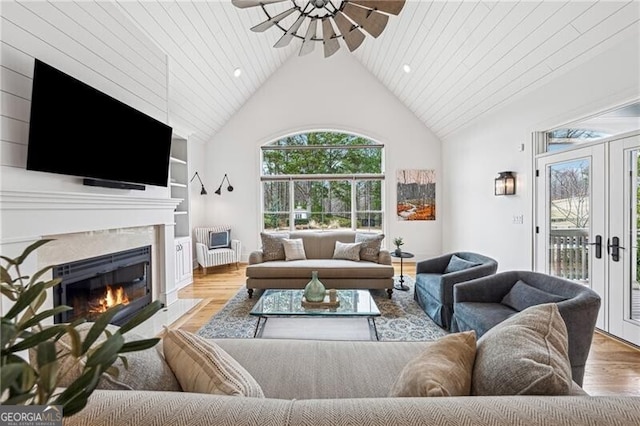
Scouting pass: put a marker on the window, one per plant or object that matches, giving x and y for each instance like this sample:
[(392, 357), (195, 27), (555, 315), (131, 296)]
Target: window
[(322, 180)]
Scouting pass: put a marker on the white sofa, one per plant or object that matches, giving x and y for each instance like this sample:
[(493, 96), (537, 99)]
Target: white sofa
[(208, 257)]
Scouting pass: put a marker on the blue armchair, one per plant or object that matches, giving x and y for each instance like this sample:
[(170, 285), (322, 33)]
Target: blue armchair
[(436, 277), (485, 302)]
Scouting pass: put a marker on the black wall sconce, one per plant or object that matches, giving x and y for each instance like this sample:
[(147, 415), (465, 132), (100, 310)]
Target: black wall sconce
[(505, 184), (202, 191), (229, 188)]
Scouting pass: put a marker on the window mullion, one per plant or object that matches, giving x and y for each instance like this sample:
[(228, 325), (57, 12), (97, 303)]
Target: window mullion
[(353, 204), (292, 199)]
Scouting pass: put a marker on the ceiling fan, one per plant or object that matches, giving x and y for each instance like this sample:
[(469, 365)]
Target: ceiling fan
[(350, 17)]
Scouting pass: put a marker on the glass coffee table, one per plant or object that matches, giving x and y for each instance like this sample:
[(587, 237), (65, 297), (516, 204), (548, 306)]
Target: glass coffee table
[(288, 303)]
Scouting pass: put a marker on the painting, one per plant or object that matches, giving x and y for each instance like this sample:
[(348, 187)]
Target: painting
[(416, 191)]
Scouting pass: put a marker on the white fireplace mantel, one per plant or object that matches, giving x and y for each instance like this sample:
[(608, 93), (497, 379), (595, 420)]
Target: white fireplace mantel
[(27, 216)]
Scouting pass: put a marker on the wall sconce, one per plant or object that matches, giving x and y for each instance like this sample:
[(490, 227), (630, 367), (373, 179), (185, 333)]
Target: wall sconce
[(202, 191), (229, 188), (505, 184)]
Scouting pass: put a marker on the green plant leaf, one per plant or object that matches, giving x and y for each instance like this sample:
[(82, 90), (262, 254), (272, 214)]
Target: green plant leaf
[(76, 342), (9, 260), (125, 362), (139, 345), (25, 300), (8, 332), (76, 404), (9, 375), (29, 249), (8, 290), (38, 337), (42, 315), (19, 399), (80, 388), (99, 326), (36, 276), (47, 366), (143, 315), (106, 354)]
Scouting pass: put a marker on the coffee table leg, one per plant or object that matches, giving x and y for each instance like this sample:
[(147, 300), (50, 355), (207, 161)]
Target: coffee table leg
[(372, 328), (260, 328)]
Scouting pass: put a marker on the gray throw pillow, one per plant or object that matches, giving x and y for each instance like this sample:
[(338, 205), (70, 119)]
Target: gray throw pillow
[(522, 296), (347, 251), (458, 264), (371, 243), (219, 239), (272, 247), (526, 354)]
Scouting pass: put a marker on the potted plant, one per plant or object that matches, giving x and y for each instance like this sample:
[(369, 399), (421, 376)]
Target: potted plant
[(25, 384), (398, 242)]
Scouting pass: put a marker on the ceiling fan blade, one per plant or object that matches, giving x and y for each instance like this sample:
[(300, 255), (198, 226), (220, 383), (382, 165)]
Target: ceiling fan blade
[(263, 26), (243, 4), (353, 37), (389, 6), (373, 22), (288, 36), (331, 44), (307, 44)]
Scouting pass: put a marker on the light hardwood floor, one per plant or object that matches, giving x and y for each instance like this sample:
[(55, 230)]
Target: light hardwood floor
[(613, 367)]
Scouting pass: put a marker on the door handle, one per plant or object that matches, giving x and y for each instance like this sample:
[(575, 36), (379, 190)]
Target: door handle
[(598, 245), (614, 248)]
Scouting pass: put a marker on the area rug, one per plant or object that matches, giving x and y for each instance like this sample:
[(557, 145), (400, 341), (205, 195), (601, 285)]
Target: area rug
[(401, 318)]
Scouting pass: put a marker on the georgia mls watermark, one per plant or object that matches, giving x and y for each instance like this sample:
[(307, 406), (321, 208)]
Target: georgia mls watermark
[(30, 415)]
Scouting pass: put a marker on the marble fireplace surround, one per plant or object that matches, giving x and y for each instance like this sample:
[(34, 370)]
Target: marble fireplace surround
[(85, 225)]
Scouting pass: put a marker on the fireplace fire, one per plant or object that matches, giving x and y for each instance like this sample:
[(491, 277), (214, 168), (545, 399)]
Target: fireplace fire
[(91, 286)]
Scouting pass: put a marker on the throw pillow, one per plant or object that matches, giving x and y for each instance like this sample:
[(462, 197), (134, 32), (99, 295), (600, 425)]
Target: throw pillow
[(348, 251), (458, 264), (146, 370), (272, 248), (526, 354), (443, 369), (202, 366), (522, 295), (370, 248), (293, 249), (219, 239)]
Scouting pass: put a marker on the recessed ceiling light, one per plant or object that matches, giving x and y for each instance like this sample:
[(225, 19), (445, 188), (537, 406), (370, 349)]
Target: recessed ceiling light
[(237, 72), (406, 68)]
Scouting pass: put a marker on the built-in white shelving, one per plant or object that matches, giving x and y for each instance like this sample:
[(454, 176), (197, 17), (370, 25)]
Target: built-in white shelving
[(179, 186)]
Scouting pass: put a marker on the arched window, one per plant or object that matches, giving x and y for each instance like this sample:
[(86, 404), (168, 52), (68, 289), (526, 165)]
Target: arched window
[(322, 180)]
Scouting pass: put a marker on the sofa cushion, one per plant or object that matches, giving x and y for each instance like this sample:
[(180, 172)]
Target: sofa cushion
[(293, 249), (204, 367), (458, 264), (481, 317), (444, 368), (526, 354), (327, 268), (272, 247), (145, 370), (371, 244), (522, 295), (347, 251)]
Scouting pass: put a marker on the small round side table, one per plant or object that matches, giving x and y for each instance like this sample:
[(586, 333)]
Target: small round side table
[(401, 256)]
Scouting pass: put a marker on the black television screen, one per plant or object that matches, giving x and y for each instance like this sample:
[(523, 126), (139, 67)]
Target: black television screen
[(78, 130)]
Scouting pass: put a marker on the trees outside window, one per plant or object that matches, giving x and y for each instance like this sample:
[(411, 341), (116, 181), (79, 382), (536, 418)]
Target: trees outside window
[(322, 180)]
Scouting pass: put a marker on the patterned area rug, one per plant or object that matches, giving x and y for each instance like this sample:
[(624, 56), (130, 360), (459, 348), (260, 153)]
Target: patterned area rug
[(401, 319)]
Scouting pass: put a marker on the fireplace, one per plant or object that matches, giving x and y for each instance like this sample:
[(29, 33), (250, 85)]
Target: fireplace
[(91, 286)]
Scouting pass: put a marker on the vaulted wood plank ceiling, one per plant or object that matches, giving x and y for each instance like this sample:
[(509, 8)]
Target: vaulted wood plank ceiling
[(467, 58)]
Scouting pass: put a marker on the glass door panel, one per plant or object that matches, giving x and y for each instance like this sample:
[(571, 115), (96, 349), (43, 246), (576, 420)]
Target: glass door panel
[(569, 219)]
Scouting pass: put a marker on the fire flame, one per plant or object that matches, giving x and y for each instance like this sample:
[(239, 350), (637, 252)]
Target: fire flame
[(110, 298)]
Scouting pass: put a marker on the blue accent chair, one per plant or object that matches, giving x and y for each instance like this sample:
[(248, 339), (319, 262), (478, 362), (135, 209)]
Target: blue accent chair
[(436, 277), (483, 303)]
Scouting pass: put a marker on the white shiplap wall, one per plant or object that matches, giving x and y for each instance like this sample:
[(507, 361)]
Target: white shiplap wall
[(89, 41)]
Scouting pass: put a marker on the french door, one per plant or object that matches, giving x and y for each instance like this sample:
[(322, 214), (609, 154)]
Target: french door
[(587, 218)]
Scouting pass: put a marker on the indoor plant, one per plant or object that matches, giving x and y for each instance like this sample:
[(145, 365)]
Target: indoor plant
[(22, 330), (398, 242)]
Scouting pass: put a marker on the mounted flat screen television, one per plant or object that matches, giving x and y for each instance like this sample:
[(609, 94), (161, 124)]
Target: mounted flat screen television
[(78, 130)]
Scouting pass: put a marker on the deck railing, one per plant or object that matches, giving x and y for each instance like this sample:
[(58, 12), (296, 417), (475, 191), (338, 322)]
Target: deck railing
[(568, 253)]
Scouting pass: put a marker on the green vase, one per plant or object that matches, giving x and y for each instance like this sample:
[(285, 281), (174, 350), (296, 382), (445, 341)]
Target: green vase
[(314, 290)]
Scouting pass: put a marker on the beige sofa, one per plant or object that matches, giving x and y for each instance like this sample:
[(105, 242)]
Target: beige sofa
[(320, 383), (334, 273)]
